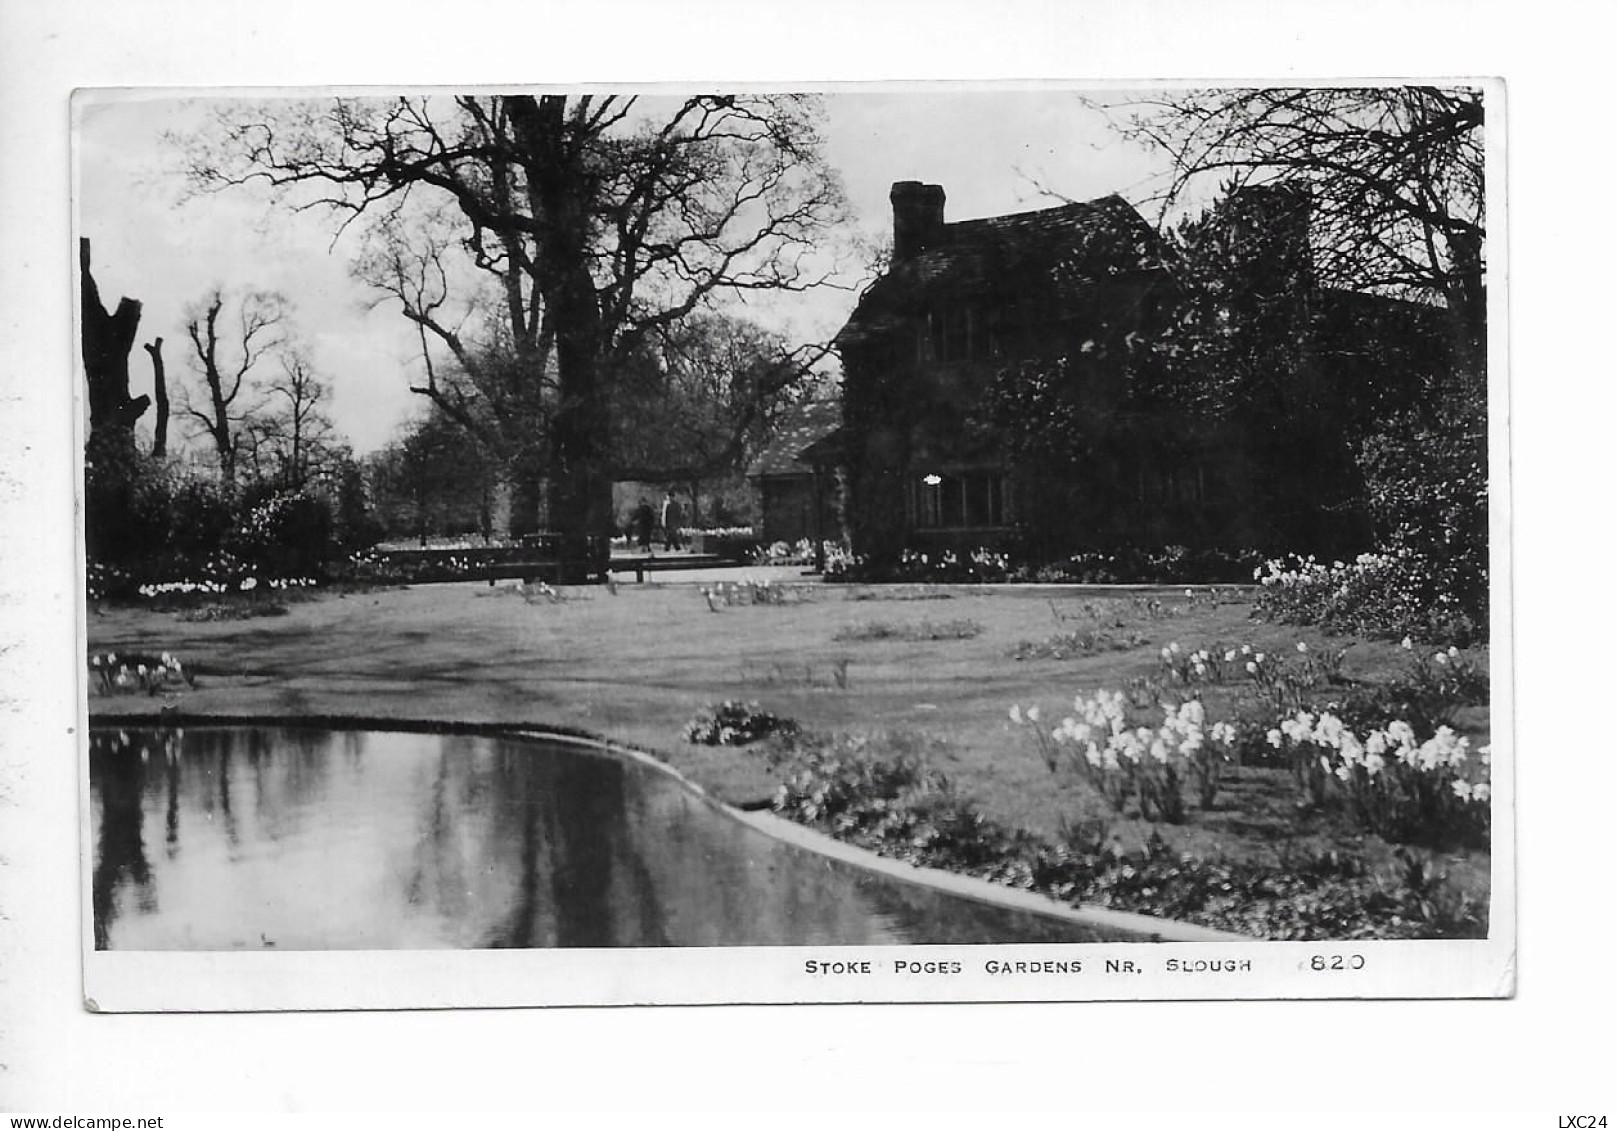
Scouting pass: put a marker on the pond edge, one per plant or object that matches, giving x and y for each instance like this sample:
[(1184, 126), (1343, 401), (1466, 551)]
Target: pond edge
[(1137, 927)]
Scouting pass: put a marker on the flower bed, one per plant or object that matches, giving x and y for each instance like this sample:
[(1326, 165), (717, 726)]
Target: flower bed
[(1404, 782), (735, 724), (882, 793), (1166, 565), (130, 672)]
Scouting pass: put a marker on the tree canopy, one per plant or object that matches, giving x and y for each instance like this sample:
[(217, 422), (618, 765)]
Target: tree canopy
[(1394, 175), (592, 219)]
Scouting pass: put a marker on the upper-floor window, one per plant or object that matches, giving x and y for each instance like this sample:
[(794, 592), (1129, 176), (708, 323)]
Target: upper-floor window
[(957, 333)]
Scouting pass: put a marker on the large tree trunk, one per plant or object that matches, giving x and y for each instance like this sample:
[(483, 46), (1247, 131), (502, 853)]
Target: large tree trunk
[(529, 506), (107, 340), (580, 482), (1468, 307)]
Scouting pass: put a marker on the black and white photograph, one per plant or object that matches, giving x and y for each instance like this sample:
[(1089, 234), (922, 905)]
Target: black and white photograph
[(958, 542), (797, 561)]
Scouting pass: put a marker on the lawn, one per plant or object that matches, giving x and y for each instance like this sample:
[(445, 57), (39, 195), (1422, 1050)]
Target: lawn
[(637, 663)]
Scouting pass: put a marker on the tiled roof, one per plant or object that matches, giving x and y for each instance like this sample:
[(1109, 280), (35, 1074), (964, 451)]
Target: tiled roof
[(802, 426), (1042, 258)]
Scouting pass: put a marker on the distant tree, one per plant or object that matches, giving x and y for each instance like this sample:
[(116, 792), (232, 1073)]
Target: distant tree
[(222, 358), (697, 399), (597, 216), (430, 481), (289, 436)]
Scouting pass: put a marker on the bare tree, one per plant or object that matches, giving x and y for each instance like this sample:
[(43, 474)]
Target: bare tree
[(154, 349), (490, 374), (1395, 175), (223, 358), (596, 216), (289, 428)]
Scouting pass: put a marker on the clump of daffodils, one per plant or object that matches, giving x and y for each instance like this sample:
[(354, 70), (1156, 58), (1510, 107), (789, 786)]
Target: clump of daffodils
[(1395, 782), (1398, 784), (130, 673), (1144, 762), (214, 587)]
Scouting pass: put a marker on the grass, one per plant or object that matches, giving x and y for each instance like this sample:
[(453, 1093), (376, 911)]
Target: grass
[(1081, 642), (912, 631), (637, 665)]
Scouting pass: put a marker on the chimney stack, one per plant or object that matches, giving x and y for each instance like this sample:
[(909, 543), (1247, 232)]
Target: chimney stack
[(917, 217)]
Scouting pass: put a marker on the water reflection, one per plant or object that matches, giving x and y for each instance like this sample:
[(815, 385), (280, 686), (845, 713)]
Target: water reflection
[(310, 839)]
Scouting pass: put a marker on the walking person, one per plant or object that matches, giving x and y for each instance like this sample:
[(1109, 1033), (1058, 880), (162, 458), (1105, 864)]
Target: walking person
[(671, 519)]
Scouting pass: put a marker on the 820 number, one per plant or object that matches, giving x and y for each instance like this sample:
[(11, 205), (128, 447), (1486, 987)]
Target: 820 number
[(1336, 962)]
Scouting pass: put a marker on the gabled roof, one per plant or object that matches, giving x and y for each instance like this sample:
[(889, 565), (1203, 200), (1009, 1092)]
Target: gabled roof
[(1045, 258), (801, 427)]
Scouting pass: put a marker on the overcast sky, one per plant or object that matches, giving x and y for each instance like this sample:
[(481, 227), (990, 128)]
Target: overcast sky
[(994, 151)]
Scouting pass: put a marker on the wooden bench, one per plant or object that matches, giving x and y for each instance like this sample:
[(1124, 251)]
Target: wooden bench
[(645, 564)]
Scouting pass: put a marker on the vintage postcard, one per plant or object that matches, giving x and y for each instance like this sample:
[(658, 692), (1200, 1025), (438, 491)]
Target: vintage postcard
[(872, 543)]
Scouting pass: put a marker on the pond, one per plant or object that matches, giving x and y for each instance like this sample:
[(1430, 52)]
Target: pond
[(224, 838)]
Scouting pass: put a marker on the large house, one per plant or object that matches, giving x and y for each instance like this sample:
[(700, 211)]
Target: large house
[(1087, 300)]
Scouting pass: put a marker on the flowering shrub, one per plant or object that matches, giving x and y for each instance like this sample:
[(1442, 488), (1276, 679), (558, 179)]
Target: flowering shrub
[(1389, 594), (132, 672), (733, 723), (283, 535), (1398, 787), (1427, 488)]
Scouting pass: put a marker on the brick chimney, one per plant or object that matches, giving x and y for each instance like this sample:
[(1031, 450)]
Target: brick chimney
[(917, 217)]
